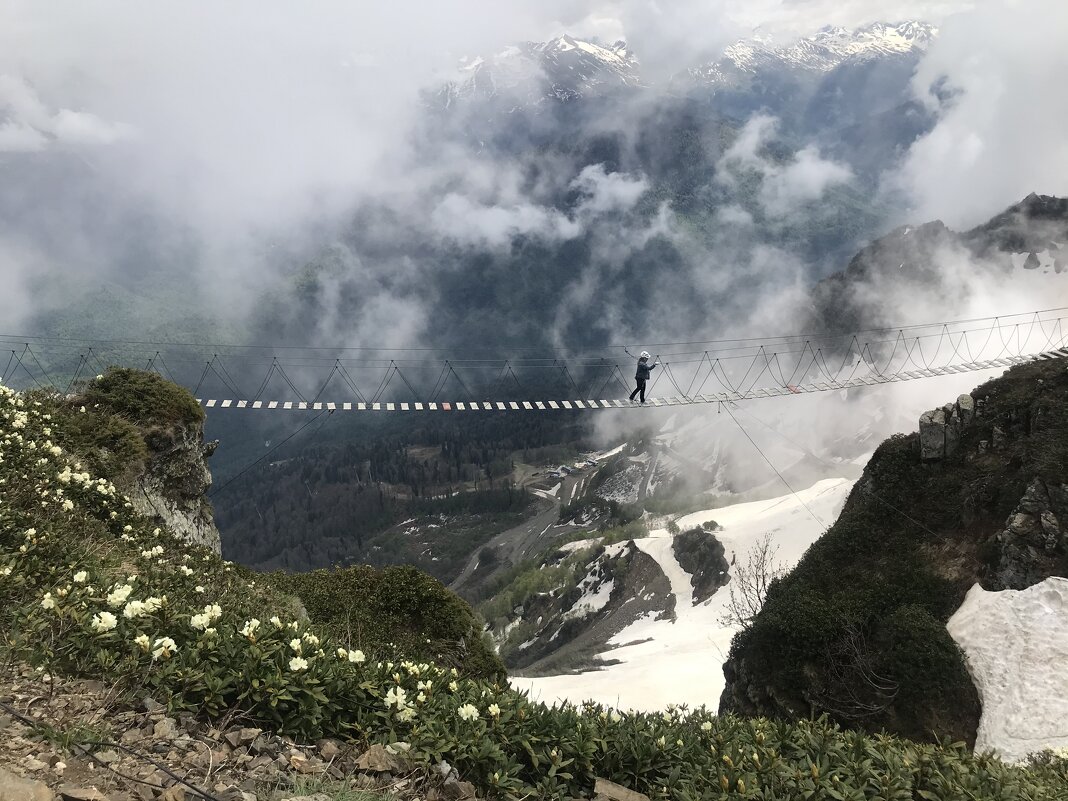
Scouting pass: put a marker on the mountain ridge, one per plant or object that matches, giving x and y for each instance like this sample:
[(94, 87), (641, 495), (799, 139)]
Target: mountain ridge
[(567, 68)]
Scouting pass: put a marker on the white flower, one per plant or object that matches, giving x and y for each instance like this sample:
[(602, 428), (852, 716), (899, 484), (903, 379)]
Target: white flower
[(211, 613), (397, 696), (494, 710), (467, 712), (276, 622), (298, 663), (68, 505), (80, 577), (117, 597), (357, 656), (406, 715), (295, 645), (186, 570), (342, 653), (47, 602), (5, 571), (454, 686), (104, 621), (143, 641), (311, 639), (164, 647), (198, 589), (614, 716), (706, 726), (249, 629), (134, 609)]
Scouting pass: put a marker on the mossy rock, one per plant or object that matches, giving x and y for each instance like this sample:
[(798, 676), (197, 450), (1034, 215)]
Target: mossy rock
[(145, 399)]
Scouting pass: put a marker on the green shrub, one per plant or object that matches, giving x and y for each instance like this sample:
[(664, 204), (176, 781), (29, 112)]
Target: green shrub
[(143, 398), (395, 609)]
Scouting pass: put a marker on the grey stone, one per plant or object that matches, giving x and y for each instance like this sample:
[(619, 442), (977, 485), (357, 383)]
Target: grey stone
[(71, 792), (933, 435), (999, 439), (966, 407), (16, 788), (378, 759), (616, 792), (107, 756)]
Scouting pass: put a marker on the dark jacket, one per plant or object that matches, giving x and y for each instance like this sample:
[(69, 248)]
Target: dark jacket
[(644, 368)]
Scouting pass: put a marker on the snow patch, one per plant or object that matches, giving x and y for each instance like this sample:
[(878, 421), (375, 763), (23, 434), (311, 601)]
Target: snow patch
[(665, 662), (1016, 644)]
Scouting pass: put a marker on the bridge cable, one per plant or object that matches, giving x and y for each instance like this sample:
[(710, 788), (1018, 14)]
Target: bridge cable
[(214, 492), (834, 467), (773, 467), (77, 372), (42, 369), (3, 375)]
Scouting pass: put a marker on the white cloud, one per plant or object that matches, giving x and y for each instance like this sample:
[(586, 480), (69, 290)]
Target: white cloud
[(461, 219), (1001, 132), (604, 192), (30, 125), (783, 185)]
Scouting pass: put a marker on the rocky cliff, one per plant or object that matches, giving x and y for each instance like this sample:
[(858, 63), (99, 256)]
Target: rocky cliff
[(174, 483), (147, 435), (857, 631)]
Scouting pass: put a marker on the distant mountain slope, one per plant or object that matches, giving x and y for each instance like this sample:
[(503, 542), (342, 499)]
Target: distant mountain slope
[(660, 658), (930, 261)]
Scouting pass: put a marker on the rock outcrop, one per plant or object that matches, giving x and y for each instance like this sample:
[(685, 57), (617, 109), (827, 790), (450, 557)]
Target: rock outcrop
[(941, 429), (173, 487), (1034, 537)]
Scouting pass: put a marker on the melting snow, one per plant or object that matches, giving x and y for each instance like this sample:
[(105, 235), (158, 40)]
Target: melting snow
[(664, 662), (1016, 643), (594, 598)]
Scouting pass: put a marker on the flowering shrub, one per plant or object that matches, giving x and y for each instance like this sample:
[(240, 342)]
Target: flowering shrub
[(87, 587)]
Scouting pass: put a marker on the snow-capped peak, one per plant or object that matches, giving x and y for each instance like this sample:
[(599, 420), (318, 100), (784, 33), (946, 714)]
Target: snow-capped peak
[(563, 68), (822, 51)]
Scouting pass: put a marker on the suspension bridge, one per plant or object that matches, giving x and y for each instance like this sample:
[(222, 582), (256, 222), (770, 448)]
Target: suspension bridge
[(326, 378)]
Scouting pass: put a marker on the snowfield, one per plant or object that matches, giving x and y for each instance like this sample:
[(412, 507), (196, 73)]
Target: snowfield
[(681, 662), (1016, 644)]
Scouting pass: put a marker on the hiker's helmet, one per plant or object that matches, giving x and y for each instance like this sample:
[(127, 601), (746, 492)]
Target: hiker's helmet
[(645, 354)]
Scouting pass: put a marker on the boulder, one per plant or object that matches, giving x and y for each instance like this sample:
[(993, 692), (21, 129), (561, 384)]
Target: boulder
[(16, 788), (933, 435)]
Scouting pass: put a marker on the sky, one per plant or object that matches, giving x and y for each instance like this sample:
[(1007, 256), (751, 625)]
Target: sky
[(253, 125)]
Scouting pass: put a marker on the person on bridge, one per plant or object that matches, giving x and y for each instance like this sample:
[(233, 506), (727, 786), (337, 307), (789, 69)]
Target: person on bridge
[(642, 375)]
